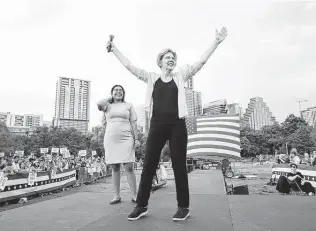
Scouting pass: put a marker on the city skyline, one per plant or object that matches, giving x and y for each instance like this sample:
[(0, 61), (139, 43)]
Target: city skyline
[(267, 52)]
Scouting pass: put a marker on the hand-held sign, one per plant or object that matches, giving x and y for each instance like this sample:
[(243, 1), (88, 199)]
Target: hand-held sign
[(109, 46)]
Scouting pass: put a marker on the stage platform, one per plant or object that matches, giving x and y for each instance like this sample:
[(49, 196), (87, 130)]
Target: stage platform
[(211, 209)]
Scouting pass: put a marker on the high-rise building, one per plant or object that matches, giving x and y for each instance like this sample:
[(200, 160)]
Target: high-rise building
[(258, 114), (190, 83), (215, 108), (142, 118), (33, 120), (194, 102), (309, 115), (24, 120), (20, 124), (72, 104), (234, 108), (5, 118)]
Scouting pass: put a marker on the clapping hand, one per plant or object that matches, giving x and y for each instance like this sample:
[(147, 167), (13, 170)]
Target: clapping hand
[(221, 35)]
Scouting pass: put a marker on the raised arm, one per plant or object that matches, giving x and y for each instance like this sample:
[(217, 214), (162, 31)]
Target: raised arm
[(103, 104), (139, 73), (190, 70)]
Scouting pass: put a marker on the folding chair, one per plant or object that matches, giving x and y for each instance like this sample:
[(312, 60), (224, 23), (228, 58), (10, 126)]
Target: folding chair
[(295, 190)]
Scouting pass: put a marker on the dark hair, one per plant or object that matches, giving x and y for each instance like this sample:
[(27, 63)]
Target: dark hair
[(293, 164), (123, 99)]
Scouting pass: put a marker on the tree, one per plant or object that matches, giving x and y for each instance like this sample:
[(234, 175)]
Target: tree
[(140, 151), (273, 137), (6, 139), (252, 142), (298, 134), (166, 154), (291, 124), (302, 140), (96, 141)]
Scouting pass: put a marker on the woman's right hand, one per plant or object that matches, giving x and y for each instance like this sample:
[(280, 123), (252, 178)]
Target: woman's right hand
[(110, 46)]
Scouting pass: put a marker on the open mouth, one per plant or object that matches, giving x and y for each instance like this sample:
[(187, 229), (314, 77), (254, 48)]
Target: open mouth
[(170, 63)]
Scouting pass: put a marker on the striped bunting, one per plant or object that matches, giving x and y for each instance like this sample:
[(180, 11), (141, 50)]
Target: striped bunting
[(217, 135), (17, 185)]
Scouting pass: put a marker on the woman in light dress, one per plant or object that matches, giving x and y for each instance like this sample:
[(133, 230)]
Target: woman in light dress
[(120, 139)]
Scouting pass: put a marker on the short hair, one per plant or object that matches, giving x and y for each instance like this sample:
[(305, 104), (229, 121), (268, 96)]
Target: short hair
[(292, 164), (163, 53)]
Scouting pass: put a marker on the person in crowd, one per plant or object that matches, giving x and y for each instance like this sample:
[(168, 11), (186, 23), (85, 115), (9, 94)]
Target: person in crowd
[(294, 180), (120, 139), (8, 168), (306, 159), (166, 104), (294, 157), (15, 163), (283, 158), (313, 158), (160, 180), (261, 159)]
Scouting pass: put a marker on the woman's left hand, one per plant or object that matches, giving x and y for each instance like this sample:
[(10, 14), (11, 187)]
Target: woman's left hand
[(221, 35), (136, 143)]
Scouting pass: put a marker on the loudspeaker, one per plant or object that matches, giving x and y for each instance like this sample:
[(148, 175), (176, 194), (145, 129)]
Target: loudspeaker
[(241, 190)]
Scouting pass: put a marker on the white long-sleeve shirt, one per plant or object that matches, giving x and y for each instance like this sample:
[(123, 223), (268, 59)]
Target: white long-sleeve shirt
[(180, 77)]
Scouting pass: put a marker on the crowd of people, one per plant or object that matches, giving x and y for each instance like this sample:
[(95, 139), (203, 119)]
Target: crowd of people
[(296, 158), (25, 164)]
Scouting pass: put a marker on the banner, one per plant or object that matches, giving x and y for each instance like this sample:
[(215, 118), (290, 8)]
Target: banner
[(63, 150), (19, 153), (82, 153), (55, 150), (48, 157), (44, 150)]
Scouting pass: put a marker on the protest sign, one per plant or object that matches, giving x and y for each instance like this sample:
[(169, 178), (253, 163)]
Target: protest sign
[(3, 181), (32, 178), (44, 150), (55, 150), (82, 153)]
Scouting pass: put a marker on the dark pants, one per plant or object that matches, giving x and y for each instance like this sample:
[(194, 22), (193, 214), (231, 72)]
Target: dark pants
[(158, 135), (285, 186)]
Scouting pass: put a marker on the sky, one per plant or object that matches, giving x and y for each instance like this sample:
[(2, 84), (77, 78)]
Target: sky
[(270, 50)]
